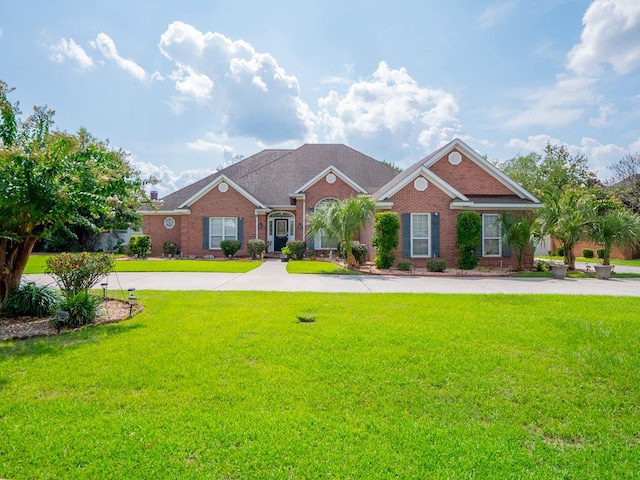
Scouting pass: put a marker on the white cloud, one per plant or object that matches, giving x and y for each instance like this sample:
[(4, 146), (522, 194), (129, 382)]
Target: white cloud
[(213, 143), (495, 13), (391, 106), (68, 49), (610, 36), (255, 97), (604, 112), (600, 155), (558, 105), (170, 181), (108, 48)]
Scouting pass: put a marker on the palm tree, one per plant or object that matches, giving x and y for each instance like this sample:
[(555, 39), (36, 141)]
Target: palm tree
[(520, 233), (613, 228), (342, 221), (565, 219)]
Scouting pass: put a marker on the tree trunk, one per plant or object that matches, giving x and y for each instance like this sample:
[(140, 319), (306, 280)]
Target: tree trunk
[(13, 260)]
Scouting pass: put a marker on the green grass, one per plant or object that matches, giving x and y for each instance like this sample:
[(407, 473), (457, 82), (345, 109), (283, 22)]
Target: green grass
[(230, 385), (317, 266), (614, 261), (37, 264)]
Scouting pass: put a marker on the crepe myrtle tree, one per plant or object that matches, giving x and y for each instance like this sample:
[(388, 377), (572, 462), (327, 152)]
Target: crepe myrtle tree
[(52, 179)]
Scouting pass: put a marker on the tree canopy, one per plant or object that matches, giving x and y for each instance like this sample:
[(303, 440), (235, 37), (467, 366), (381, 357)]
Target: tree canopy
[(52, 179), (555, 171)]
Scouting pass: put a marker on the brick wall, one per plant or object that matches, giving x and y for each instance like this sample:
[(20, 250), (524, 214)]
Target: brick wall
[(468, 178), (153, 225)]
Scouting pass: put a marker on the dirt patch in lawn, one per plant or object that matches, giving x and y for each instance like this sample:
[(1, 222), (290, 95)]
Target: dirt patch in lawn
[(13, 328)]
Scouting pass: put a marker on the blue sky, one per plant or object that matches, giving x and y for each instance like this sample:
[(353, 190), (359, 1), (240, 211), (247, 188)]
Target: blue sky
[(186, 86)]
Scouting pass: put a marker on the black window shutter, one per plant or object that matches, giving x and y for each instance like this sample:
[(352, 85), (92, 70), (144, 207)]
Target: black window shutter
[(241, 230), (406, 235), (205, 233), (435, 235)]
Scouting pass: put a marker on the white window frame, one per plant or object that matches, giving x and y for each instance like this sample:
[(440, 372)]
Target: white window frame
[(485, 237), (428, 237), (224, 236), (317, 241)]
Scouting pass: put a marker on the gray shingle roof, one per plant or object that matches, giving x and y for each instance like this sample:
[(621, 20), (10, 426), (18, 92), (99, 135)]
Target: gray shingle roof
[(272, 175)]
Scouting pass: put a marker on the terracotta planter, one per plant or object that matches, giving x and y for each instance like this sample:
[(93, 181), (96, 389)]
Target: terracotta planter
[(603, 272), (559, 271)]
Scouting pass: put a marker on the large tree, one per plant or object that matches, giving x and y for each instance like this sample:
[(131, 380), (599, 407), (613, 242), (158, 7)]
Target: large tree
[(52, 179), (555, 171)]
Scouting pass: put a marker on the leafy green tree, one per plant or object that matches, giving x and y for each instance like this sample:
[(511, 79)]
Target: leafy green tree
[(342, 221), (52, 179), (385, 238), (555, 171), (468, 239), (625, 181)]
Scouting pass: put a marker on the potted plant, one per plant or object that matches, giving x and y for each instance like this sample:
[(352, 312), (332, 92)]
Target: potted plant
[(285, 253)]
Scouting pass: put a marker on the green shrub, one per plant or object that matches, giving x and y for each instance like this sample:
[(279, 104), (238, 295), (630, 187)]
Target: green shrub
[(560, 251), (286, 251), (436, 265), (82, 308), (359, 251), (31, 300), (541, 266), (169, 248), (405, 265), (140, 245), (230, 247), (297, 247), (76, 272), (600, 252), (587, 253), (385, 238), (384, 259), (469, 239), (255, 247)]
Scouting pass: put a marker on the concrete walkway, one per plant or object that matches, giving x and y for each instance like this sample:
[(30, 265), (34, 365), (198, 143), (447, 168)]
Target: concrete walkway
[(272, 276)]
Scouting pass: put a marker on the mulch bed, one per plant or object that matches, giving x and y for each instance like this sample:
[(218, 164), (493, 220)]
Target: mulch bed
[(14, 328)]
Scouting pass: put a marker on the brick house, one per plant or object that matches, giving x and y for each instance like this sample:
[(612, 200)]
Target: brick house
[(268, 195)]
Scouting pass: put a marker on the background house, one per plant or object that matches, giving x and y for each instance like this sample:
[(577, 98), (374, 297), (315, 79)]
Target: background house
[(269, 194)]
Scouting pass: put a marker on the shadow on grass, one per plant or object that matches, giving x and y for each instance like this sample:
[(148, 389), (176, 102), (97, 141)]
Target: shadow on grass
[(56, 344)]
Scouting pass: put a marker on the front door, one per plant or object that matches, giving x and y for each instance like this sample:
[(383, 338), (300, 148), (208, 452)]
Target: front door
[(281, 233)]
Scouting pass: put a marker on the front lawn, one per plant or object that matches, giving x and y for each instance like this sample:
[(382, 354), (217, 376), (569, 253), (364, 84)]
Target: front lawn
[(37, 264), (318, 266), (595, 261), (230, 385)]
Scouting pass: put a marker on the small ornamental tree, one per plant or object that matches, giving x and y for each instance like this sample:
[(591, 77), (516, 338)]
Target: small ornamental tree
[(385, 238), (140, 245), (78, 272), (469, 239)]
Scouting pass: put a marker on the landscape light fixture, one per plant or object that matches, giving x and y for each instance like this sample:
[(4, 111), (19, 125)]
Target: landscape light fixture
[(132, 300), (104, 289)]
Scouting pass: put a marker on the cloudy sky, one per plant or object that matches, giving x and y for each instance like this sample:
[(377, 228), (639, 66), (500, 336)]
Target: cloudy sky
[(186, 86)]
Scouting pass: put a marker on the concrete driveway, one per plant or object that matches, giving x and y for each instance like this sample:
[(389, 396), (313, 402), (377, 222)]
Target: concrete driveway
[(272, 276)]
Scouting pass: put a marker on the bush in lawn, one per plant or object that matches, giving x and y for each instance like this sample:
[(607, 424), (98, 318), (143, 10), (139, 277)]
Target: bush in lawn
[(469, 239), (82, 308), (169, 248), (359, 251), (385, 238), (405, 265), (560, 252), (140, 245), (255, 247), (32, 300), (230, 247), (600, 252), (77, 272), (541, 266), (297, 247), (436, 265), (587, 253)]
